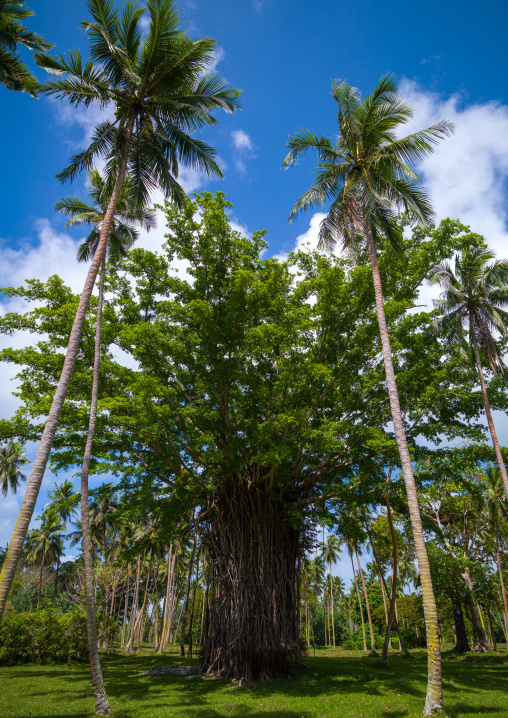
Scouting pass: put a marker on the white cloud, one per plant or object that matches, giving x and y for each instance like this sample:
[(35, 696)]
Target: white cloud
[(241, 140), (466, 174), (244, 146), (258, 5), (307, 240)]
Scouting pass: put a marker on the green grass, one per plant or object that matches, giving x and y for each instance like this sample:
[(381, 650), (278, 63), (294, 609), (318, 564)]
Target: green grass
[(335, 685)]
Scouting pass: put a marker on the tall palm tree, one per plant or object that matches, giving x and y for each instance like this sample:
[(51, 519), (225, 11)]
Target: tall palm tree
[(330, 553), (365, 173), (46, 542), (472, 300), (497, 510), (12, 457), (14, 73), (122, 235), (160, 93)]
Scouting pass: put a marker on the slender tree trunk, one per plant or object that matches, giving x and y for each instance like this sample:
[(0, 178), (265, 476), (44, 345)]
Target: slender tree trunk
[(503, 592), (331, 602), (39, 466), (134, 608), (142, 612), (367, 604), (56, 576), (434, 697), (167, 601), (187, 593), (492, 630), (100, 697), (194, 602), (359, 606), (486, 403), (40, 577), (126, 607)]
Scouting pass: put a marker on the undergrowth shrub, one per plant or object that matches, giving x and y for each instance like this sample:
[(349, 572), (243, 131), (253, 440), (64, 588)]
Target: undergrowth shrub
[(43, 636)]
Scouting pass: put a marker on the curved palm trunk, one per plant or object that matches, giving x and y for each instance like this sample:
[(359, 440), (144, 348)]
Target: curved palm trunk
[(99, 692), (367, 604), (48, 435), (486, 403), (434, 697)]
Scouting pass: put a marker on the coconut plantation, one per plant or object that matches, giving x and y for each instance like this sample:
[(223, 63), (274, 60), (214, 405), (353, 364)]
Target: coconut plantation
[(253, 341)]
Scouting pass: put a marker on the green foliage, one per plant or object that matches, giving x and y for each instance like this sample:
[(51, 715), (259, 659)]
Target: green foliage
[(354, 641), (43, 636)]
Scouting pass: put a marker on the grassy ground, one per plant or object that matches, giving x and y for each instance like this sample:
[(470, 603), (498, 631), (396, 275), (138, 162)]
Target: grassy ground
[(337, 684)]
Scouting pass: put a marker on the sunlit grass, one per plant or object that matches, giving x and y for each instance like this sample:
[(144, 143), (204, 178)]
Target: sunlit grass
[(337, 684)]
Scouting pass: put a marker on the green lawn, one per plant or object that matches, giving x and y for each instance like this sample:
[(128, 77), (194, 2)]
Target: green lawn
[(342, 684)]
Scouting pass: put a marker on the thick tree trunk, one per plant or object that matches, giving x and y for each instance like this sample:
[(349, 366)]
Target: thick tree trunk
[(367, 604), (253, 631), (101, 700), (434, 697), (48, 435), (461, 642)]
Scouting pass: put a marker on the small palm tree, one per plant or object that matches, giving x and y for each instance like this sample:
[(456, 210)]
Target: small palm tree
[(63, 500), (365, 173), (14, 73), (160, 92), (472, 300), (12, 457), (46, 542)]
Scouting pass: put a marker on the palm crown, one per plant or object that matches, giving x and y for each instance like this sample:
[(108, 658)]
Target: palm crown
[(366, 171), (157, 85), (123, 231), (14, 74), (12, 458), (473, 297)]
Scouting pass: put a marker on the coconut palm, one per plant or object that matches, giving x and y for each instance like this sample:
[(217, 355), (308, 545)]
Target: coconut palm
[(63, 500), (46, 542), (330, 553), (12, 457), (14, 73), (365, 174), (159, 91), (122, 235), (472, 300)]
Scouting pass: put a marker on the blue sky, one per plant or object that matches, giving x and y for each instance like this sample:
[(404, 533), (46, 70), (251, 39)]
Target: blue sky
[(450, 58)]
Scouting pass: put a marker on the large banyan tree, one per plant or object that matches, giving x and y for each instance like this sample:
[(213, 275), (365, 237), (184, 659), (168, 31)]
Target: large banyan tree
[(245, 389)]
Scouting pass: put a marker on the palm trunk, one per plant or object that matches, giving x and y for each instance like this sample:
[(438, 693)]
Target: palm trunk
[(359, 606), (126, 607), (56, 576), (134, 608), (187, 594), (142, 612), (367, 604), (486, 403), (40, 578), (194, 602), (101, 700), (434, 697), (36, 475), (331, 604)]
